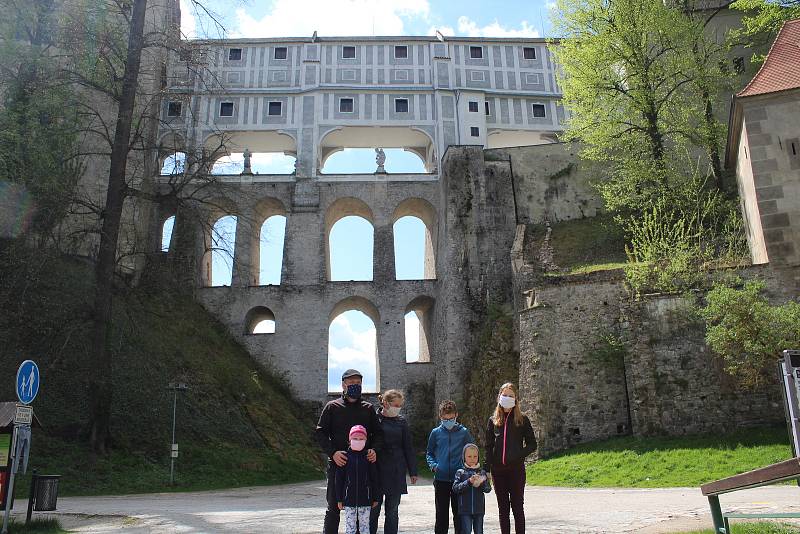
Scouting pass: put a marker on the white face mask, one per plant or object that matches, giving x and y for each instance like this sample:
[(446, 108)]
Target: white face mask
[(358, 444), (391, 411), (507, 402)]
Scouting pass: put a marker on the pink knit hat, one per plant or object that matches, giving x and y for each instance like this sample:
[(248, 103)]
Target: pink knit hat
[(358, 429)]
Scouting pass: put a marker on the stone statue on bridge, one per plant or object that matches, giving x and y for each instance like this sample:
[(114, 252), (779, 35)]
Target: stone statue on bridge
[(247, 156), (380, 159)]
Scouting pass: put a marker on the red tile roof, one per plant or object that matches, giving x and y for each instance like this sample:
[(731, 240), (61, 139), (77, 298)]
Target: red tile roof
[(781, 69)]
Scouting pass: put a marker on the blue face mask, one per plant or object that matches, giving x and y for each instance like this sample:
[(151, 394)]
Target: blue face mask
[(448, 424), (354, 391)]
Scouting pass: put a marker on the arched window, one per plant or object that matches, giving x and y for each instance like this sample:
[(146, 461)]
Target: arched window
[(174, 163), (223, 244), (362, 161), (166, 233), (273, 232), (260, 320), (350, 238), (418, 321), (414, 233), (260, 163), (352, 343)]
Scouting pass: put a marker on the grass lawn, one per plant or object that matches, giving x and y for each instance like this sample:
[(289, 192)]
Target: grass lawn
[(587, 245), (237, 424), (760, 527), (662, 462)]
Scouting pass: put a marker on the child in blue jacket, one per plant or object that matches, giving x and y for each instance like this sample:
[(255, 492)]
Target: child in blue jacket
[(356, 483), (444, 455), (470, 484)]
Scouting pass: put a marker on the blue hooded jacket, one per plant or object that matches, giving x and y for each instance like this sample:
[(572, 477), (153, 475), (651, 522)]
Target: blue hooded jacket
[(445, 448), (471, 500)]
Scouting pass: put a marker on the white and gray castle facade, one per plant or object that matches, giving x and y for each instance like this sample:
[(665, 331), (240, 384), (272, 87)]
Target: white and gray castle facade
[(310, 97)]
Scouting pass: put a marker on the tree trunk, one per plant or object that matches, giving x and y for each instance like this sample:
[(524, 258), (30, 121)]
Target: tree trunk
[(100, 376), (712, 147)]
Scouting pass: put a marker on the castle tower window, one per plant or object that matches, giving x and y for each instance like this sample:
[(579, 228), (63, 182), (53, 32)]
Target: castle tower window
[(174, 109), (529, 52), (475, 131), (226, 109), (166, 233), (401, 52), (348, 52), (345, 105), (401, 105), (476, 52), (235, 54), (275, 108), (281, 52), (538, 110), (486, 105), (473, 107)]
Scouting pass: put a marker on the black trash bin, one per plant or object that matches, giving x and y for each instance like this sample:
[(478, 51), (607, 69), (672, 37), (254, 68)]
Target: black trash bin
[(45, 492)]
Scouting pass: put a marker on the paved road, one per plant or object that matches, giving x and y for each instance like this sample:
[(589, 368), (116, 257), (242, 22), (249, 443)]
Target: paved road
[(298, 508)]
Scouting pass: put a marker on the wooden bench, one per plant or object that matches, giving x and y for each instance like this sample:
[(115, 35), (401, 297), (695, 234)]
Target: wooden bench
[(788, 470)]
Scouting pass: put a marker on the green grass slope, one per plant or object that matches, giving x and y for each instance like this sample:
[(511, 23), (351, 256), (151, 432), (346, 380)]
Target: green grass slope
[(662, 461), (237, 424)]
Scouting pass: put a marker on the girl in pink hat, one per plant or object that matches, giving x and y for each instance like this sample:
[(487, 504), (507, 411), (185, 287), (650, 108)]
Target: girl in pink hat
[(357, 488)]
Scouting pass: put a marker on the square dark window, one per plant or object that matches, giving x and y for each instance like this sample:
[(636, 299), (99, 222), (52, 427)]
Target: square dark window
[(475, 131), (275, 108), (235, 54), (538, 110), (345, 105), (401, 52), (226, 109), (185, 54), (281, 52), (529, 53), (348, 52), (174, 109), (738, 65), (476, 52), (473, 107), (401, 105), (486, 104)]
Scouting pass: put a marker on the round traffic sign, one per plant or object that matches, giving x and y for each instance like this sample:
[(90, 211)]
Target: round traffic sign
[(27, 381)]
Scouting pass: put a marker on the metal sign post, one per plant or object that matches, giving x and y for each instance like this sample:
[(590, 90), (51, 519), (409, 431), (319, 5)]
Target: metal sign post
[(27, 389), (175, 387)]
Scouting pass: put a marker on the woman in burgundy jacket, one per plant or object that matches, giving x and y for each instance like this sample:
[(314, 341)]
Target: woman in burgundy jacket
[(509, 440)]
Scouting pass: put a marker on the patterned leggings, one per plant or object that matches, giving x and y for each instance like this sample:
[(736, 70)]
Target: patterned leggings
[(353, 514)]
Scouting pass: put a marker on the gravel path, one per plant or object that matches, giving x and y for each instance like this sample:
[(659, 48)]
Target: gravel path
[(299, 508)]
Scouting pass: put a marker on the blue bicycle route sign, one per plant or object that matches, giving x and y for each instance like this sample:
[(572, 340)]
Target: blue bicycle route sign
[(27, 381)]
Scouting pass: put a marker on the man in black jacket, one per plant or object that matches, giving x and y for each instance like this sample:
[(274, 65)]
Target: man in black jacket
[(333, 431)]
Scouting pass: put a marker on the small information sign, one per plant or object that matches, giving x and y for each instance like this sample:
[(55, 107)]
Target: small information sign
[(23, 415)]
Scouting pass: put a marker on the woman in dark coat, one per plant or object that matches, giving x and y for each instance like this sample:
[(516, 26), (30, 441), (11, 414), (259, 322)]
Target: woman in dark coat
[(394, 462), (509, 440)]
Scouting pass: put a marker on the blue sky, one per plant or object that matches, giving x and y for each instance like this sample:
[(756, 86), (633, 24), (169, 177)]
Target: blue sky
[(352, 335), (298, 18)]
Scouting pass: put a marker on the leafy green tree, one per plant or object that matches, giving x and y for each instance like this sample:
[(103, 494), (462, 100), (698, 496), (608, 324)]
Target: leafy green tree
[(762, 20), (634, 75), (39, 125), (748, 332)]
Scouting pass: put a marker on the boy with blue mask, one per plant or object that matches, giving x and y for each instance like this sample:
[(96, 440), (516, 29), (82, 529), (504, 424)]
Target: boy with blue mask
[(445, 448)]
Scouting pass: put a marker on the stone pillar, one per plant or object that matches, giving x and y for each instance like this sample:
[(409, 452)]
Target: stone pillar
[(391, 349), (304, 244), (383, 252), (245, 265)]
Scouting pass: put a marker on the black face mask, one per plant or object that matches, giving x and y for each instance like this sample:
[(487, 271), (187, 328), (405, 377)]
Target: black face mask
[(353, 391)]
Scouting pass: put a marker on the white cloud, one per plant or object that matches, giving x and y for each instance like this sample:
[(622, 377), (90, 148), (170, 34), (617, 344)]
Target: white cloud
[(412, 337), (298, 18), (470, 28), (351, 348), (188, 22)]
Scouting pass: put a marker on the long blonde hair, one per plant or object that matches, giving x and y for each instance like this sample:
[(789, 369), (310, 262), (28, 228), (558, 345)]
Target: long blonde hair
[(499, 414)]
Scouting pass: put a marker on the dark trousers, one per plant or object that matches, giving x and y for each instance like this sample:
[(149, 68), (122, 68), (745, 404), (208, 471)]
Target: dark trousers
[(391, 518), (509, 486), (471, 524), (332, 513), (444, 496)]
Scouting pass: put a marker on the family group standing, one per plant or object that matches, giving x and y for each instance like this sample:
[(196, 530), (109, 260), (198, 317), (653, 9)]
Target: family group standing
[(370, 456)]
